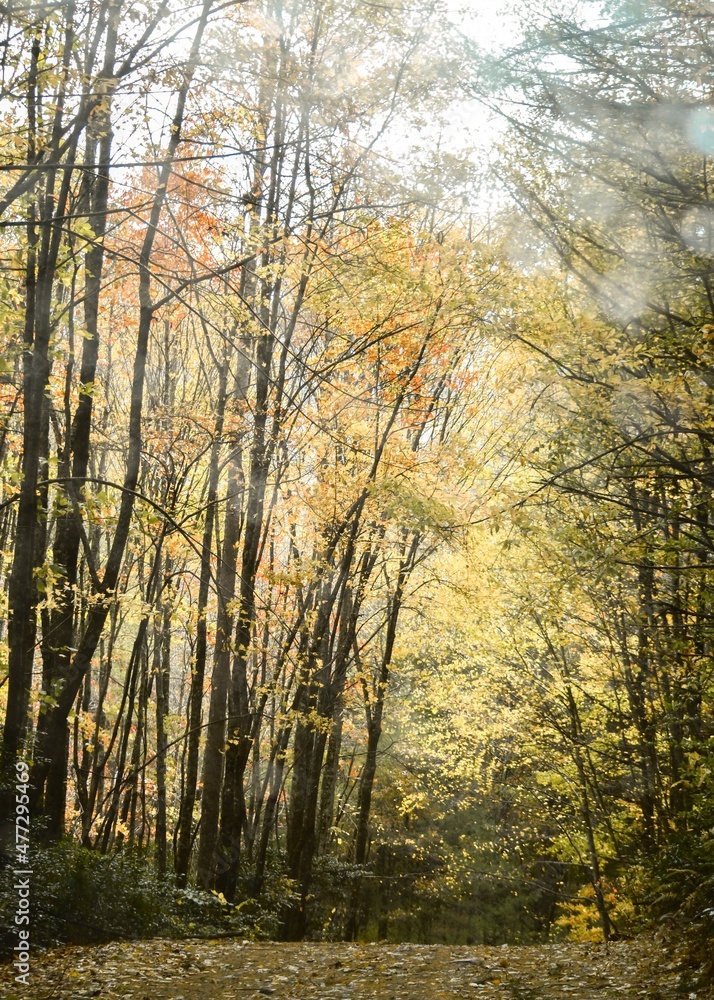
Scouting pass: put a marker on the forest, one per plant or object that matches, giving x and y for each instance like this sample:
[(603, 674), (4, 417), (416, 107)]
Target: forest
[(357, 455)]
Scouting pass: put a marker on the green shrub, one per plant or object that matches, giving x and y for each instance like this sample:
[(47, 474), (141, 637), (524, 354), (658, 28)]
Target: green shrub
[(83, 897), (676, 886)]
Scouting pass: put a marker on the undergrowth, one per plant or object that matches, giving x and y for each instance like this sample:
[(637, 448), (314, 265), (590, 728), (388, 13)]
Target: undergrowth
[(80, 896)]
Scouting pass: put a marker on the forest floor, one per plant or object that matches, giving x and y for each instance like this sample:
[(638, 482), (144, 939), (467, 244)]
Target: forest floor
[(230, 969)]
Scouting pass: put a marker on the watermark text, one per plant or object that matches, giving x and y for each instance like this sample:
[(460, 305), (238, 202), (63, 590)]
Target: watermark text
[(22, 872)]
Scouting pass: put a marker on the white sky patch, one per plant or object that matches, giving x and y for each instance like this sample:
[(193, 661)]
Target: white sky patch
[(492, 24), (468, 132)]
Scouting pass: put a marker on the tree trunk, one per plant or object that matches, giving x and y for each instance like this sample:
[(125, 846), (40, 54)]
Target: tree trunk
[(162, 680), (198, 673)]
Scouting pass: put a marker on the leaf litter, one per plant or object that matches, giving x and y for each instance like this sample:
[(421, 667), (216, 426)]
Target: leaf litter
[(229, 969)]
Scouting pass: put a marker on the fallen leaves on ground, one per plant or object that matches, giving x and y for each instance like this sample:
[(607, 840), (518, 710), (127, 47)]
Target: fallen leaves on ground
[(229, 969)]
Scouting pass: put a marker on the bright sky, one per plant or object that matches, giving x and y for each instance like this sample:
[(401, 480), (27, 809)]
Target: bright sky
[(491, 23)]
